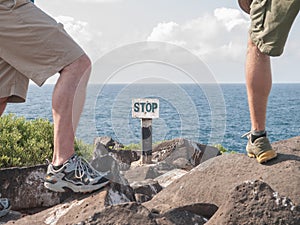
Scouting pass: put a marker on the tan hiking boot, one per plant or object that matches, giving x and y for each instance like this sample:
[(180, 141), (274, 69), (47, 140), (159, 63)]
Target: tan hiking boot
[(260, 149)]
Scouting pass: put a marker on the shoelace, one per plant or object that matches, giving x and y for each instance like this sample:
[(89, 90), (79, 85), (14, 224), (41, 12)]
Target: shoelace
[(246, 134), (83, 167)]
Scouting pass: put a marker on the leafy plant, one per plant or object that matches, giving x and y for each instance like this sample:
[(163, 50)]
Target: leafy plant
[(83, 149), (132, 147), (28, 142), (222, 149)]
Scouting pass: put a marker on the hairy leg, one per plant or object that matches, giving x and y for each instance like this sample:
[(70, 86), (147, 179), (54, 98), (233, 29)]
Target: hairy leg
[(259, 83), (67, 104)]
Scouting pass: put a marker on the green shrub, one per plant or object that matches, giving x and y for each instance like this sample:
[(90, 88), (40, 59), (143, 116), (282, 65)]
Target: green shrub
[(84, 150), (222, 149), (132, 147), (28, 142)]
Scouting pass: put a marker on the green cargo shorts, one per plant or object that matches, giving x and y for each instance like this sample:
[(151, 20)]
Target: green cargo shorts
[(271, 21)]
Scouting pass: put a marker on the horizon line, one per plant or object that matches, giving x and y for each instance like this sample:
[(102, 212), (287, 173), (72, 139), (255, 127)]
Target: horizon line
[(113, 83)]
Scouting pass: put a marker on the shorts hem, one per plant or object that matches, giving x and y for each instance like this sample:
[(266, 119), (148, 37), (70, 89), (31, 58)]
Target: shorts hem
[(42, 77), (264, 48), (14, 97)]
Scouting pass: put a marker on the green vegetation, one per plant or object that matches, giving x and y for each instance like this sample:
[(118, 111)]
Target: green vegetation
[(84, 150), (222, 149), (29, 142), (138, 146), (132, 147)]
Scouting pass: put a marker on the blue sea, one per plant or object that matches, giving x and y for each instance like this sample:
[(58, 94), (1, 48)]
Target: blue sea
[(208, 114)]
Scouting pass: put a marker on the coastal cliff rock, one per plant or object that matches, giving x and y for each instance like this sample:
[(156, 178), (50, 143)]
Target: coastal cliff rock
[(212, 181), (25, 188), (224, 190)]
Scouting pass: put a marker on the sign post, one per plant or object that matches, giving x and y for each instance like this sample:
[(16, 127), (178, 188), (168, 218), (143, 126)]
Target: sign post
[(146, 110)]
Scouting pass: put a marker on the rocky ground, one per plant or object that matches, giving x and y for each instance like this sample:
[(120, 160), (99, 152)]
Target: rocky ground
[(188, 183)]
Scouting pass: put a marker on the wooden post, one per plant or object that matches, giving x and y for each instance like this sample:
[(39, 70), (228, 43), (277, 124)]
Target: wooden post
[(146, 141), (146, 110)]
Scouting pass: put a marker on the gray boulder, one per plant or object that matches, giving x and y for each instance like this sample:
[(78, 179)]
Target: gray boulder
[(25, 188), (182, 153), (145, 190), (255, 202), (81, 209), (106, 145)]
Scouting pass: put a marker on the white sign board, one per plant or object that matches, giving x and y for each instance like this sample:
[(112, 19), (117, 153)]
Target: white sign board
[(145, 108)]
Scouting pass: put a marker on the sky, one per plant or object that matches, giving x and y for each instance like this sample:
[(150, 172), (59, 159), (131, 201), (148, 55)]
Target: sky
[(214, 31)]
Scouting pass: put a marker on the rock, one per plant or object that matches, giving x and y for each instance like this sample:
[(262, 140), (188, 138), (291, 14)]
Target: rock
[(25, 188), (103, 158), (190, 214), (145, 190), (119, 193), (82, 209), (167, 178), (211, 181), (107, 163), (256, 203), (140, 173), (100, 150), (182, 163), (108, 142), (179, 217), (182, 153), (11, 216), (228, 189), (123, 214), (163, 166), (124, 157)]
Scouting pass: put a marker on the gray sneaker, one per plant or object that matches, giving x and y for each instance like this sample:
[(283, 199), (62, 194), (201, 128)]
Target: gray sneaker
[(76, 174), (260, 149), (4, 206)]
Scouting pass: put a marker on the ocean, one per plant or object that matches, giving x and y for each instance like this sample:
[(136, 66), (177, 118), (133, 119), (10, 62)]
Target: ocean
[(205, 113)]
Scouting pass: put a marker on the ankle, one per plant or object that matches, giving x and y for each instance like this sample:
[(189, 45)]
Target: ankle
[(59, 161), (257, 134)]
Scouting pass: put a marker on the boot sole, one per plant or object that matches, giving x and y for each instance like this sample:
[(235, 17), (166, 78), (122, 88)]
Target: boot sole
[(4, 212), (78, 189), (264, 157)]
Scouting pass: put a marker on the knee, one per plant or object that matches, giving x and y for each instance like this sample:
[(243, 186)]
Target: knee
[(84, 63), (80, 67), (254, 50)]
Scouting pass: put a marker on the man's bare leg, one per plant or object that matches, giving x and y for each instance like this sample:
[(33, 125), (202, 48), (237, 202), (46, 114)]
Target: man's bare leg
[(259, 83), (3, 102), (67, 104)]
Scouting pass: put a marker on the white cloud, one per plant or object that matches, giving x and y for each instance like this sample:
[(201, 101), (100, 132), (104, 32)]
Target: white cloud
[(231, 18), (216, 36), (80, 31)]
